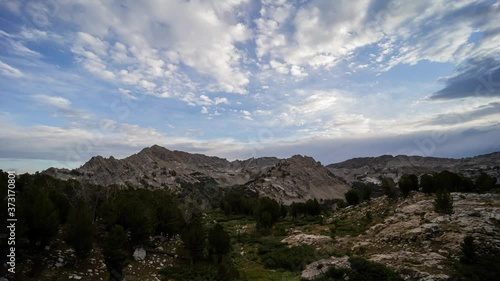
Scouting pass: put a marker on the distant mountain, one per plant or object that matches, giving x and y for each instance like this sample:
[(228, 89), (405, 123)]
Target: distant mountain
[(158, 167), (297, 179), (369, 169)]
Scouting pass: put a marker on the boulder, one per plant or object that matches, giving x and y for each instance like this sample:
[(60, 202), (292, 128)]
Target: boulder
[(307, 239), (139, 254), (321, 266)]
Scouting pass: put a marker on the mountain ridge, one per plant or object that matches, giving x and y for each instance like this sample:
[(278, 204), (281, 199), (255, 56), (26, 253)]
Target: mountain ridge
[(369, 169), (297, 178)]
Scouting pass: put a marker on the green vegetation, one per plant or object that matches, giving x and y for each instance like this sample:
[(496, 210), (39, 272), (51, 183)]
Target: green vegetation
[(364, 190), (40, 217), (239, 201), (80, 230), (443, 202), (115, 256), (310, 208), (291, 259), (267, 213), (426, 184), (239, 241), (193, 237), (361, 270), (389, 187), (468, 250), (219, 242), (352, 197), (408, 183), (483, 266)]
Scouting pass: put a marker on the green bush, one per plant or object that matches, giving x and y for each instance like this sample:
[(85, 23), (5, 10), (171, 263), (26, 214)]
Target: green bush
[(79, 232), (483, 268), (196, 272), (352, 197), (114, 253), (361, 270), (291, 259), (443, 202), (389, 188), (468, 250), (407, 183)]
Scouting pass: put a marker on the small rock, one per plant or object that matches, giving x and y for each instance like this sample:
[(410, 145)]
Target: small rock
[(139, 254)]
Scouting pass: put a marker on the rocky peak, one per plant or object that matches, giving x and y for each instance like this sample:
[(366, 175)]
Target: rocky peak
[(298, 178), (369, 169)]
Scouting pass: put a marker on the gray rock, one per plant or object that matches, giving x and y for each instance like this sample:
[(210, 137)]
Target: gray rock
[(139, 254), (321, 266)]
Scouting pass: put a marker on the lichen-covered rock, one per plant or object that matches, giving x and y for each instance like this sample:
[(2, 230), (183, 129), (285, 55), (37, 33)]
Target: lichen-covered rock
[(321, 266), (308, 239)]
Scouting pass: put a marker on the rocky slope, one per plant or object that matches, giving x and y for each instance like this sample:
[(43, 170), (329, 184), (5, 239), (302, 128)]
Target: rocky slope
[(410, 237), (297, 179), (158, 167), (369, 169)]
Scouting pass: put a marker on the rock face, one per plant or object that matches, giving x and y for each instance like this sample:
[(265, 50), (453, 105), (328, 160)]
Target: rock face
[(158, 167), (319, 267), (297, 179), (411, 238), (368, 169), (306, 239)]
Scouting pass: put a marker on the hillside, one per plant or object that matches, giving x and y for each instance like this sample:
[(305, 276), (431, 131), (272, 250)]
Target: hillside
[(158, 167), (195, 175), (369, 169), (297, 179)]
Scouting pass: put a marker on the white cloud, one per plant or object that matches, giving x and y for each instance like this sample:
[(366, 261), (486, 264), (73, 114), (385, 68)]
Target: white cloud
[(56, 102), (61, 106), (197, 34), (10, 71), (279, 67), (193, 100), (126, 94)]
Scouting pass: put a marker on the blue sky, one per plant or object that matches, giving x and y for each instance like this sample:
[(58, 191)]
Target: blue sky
[(241, 78)]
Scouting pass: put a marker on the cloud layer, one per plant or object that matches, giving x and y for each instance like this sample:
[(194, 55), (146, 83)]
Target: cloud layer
[(238, 78)]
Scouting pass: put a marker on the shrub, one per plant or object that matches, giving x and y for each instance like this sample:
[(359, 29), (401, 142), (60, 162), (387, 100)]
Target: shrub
[(268, 212), (80, 230), (361, 270), (292, 259), (218, 242), (483, 268), (389, 187), (352, 197), (197, 272), (364, 270), (427, 184), (115, 256), (407, 183), (468, 250), (443, 202)]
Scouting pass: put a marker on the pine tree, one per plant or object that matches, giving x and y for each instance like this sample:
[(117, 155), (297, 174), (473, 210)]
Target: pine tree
[(352, 197), (115, 256), (80, 230), (219, 242), (193, 238), (468, 250), (443, 202), (39, 217)]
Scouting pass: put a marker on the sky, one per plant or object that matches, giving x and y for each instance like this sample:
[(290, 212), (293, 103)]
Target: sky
[(242, 78)]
